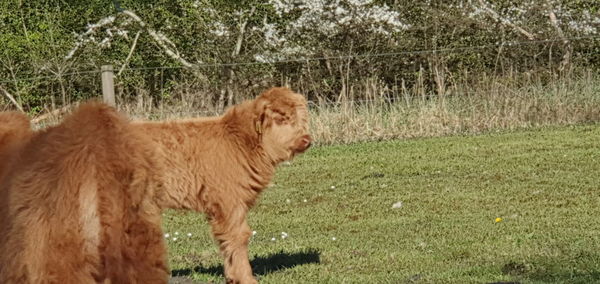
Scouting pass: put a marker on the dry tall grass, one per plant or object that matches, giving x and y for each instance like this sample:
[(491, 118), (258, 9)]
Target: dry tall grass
[(491, 105), (369, 110)]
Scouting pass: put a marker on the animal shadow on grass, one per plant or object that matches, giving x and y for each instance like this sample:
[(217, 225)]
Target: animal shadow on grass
[(582, 268), (261, 265)]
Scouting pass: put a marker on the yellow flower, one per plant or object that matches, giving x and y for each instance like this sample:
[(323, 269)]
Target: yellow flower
[(498, 220)]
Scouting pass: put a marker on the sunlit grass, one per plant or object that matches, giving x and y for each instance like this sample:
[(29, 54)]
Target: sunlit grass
[(515, 206)]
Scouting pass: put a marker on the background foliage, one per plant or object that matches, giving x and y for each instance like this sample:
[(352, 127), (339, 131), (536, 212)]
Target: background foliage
[(45, 46)]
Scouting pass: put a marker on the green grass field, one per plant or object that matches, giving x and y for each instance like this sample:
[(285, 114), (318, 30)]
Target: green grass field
[(543, 183)]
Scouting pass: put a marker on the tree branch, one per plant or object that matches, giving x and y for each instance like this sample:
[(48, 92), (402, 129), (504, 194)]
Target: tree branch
[(568, 50), (12, 99), (238, 44), (137, 35), (159, 38), (505, 21)]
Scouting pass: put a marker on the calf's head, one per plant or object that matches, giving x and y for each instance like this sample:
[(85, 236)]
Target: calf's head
[(281, 121)]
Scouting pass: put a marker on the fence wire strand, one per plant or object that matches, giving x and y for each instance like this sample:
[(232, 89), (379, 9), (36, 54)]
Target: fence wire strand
[(321, 58)]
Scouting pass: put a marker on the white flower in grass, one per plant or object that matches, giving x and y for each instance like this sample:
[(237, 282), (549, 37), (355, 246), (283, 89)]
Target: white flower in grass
[(333, 187), (176, 233), (254, 233), (174, 239), (284, 235), (189, 235), (288, 201), (305, 200), (273, 239), (334, 238), (397, 205), (167, 235)]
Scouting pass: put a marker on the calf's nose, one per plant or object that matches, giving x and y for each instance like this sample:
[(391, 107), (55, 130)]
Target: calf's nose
[(306, 141)]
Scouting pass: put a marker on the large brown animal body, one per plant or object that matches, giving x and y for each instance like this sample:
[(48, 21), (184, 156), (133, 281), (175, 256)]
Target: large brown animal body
[(15, 131), (84, 200), (77, 205)]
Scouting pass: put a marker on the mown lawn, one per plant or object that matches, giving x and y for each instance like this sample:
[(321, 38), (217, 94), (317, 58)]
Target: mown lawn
[(543, 183)]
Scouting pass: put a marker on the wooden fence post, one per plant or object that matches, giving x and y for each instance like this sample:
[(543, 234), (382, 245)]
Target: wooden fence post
[(108, 85)]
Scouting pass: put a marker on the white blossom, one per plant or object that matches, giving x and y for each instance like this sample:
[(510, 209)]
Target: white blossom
[(530, 13), (324, 18), (219, 29), (101, 33)]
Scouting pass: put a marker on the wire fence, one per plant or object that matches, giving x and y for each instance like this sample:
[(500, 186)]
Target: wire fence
[(73, 85), (459, 49), (371, 55)]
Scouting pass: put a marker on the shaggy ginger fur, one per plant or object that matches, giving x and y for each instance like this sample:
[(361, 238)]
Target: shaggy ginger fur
[(82, 203), (77, 204), (220, 165), (15, 130)]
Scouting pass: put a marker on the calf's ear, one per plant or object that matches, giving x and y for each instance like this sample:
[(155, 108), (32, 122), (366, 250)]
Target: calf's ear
[(261, 107)]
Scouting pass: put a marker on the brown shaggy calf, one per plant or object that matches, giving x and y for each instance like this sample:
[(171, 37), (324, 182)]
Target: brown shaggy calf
[(82, 204), (220, 165)]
